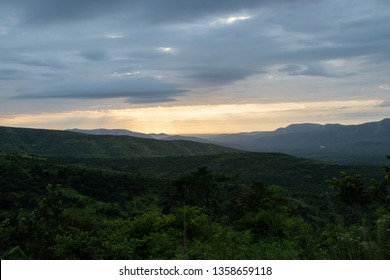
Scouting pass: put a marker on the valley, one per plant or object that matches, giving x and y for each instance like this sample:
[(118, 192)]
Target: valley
[(67, 195)]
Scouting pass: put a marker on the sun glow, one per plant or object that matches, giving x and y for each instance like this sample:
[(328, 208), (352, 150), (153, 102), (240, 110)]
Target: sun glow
[(200, 119)]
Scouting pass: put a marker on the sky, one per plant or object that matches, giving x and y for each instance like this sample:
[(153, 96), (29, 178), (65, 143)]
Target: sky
[(194, 66)]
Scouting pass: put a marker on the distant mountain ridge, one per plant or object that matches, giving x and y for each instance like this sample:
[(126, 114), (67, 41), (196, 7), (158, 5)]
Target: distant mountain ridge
[(347, 144), (366, 143), (125, 132), (118, 132), (363, 143), (71, 144)]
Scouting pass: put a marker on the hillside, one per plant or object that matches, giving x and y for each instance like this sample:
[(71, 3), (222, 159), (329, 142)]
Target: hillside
[(118, 132), (23, 180), (122, 132), (65, 143), (56, 210), (296, 174)]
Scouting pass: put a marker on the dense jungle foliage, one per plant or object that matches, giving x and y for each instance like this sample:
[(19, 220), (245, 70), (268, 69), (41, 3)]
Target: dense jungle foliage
[(52, 209)]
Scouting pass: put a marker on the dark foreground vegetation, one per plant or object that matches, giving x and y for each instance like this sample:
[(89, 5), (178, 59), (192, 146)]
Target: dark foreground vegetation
[(56, 210)]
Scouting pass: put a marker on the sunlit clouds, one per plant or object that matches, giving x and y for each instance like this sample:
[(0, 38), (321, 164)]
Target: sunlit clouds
[(165, 49), (230, 20), (202, 119)]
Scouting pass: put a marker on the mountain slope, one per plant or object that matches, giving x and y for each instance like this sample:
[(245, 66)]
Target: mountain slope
[(364, 143), (118, 132), (65, 143), (270, 168)]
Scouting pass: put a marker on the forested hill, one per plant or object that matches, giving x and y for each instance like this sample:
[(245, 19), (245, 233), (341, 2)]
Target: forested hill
[(65, 143)]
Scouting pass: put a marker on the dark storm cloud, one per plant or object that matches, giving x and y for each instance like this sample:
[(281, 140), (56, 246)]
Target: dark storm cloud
[(40, 63), (34, 61), (141, 88), (218, 76), (96, 55), (57, 11), (157, 11)]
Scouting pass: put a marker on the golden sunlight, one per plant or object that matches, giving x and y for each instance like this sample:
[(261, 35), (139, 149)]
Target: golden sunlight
[(197, 119)]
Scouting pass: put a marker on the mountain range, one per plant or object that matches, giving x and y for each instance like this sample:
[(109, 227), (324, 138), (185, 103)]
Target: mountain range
[(347, 144), (363, 143)]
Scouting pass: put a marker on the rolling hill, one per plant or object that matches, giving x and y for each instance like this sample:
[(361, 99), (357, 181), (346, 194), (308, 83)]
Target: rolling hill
[(168, 159), (118, 132), (122, 132), (65, 143)]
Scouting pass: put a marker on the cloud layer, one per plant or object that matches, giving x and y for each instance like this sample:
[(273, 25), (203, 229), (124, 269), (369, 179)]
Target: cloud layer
[(139, 90), (128, 53)]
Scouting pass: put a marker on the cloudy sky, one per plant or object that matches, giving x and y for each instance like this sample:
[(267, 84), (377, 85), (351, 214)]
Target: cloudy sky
[(194, 66)]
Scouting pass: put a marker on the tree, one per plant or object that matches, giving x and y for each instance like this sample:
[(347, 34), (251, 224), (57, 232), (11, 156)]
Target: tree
[(351, 190), (33, 235), (203, 189)]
